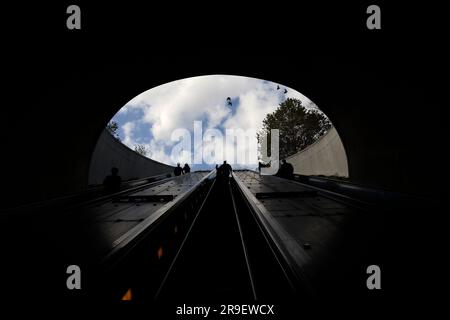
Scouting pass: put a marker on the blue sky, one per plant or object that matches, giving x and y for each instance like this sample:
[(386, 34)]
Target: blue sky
[(152, 118)]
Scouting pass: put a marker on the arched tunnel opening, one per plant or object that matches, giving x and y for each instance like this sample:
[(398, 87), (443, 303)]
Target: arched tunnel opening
[(196, 122)]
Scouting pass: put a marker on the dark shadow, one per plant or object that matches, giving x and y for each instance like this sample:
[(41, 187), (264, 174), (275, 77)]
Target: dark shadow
[(286, 170), (223, 173), (113, 181), (178, 170)]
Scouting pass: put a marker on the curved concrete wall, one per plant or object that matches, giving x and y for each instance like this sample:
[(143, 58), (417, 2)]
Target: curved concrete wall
[(109, 152), (325, 157)]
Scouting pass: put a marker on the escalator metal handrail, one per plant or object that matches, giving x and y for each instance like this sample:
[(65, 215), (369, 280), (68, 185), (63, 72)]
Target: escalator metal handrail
[(244, 246), (342, 198), (186, 237), (132, 237), (63, 201), (288, 260)]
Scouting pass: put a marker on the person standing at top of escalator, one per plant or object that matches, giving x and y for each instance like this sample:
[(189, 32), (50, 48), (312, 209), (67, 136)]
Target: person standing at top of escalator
[(113, 181), (224, 171), (286, 170), (186, 168), (178, 170)]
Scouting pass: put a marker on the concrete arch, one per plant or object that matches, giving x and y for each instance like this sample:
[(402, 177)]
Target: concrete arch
[(109, 152), (326, 157)]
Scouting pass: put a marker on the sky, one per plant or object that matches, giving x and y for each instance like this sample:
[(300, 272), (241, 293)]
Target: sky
[(187, 120)]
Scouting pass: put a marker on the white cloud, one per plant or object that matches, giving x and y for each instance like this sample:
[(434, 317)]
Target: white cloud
[(178, 104), (128, 133), (156, 152)]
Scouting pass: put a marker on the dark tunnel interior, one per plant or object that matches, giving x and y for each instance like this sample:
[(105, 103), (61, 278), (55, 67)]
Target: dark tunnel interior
[(382, 91)]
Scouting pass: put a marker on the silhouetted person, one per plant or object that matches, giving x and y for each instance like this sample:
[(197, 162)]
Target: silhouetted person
[(113, 181), (286, 170), (224, 171), (218, 172), (186, 168), (289, 170), (178, 170)]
